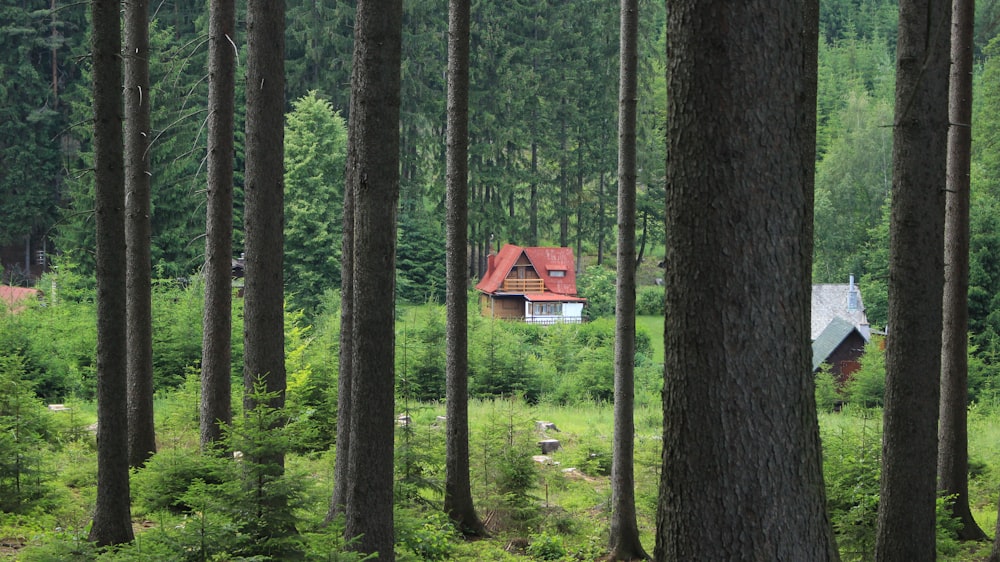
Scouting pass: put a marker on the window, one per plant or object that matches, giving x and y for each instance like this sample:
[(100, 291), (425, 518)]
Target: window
[(557, 273), (546, 309)]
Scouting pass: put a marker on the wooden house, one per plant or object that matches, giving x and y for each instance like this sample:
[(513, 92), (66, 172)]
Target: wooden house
[(840, 328), (536, 284)]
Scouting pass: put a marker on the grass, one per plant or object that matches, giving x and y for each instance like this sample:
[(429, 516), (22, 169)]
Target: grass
[(652, 325)]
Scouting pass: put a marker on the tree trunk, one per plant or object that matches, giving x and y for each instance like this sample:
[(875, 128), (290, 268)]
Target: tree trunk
[(742, 469), (600, 220), (458, 491), (908, 487), (533, 198), (141, 435), (112, 519), (373, 174), (563, 211), (953, 453), (216, 354), (263, 316), (345, 376), (625, 544)]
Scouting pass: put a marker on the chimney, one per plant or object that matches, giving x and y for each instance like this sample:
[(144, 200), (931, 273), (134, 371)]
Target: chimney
[(490, 259), (852, 295)]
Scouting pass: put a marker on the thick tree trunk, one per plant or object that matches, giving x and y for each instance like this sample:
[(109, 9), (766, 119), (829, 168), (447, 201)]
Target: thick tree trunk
[(908, 487), (373, 174), (742, 470), (624, 543), (458, 490), (112, 519), (953, 452), (216, 354), (141, 435)]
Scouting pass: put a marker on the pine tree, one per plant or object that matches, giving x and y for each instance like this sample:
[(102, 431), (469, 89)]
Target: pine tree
[(112, 521)]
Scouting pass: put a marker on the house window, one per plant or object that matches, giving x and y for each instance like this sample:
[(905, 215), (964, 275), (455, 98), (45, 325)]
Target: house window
[(557, 273), (546, 309)]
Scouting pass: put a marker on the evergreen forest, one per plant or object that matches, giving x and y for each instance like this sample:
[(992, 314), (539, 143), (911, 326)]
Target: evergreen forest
[(543, 170)]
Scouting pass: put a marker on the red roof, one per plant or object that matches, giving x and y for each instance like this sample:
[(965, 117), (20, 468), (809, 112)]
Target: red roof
[(544, 260), (11, 296), (551, 297)]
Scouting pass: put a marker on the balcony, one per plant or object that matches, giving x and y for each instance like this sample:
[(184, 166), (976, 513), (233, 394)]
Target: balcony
[(523, 286)]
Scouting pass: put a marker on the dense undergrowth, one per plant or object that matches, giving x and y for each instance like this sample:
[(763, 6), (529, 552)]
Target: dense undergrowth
[(192, 506)]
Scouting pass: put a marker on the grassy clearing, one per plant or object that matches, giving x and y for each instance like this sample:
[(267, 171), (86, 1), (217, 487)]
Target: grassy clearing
[(565, 500), (653, 325)]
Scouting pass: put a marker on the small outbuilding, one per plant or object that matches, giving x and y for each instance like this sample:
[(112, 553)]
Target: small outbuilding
[(840, 328)]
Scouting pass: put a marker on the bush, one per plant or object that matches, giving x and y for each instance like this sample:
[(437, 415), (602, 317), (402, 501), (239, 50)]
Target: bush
[(544, 546), (597, 285), (827, 397), (164, 482), (866, 388), (649, 301), (428, 535)]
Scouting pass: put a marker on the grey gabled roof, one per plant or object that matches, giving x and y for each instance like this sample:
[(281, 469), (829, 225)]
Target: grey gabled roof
[(836, 331), (833, 300)]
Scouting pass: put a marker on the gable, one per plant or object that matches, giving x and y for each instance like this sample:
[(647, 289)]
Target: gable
[(554, 266), (836, 333), (837, 300)]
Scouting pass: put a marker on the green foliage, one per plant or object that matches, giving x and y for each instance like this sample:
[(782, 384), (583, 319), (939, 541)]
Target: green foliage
[(420, 257), (649, 301), (30, 124), (420, 363), (853, 182), (502, 361), (827, 397), (164, 483), (177, 331), (866, 388), (500, 456), (851, 457), (597, 285), (544, 546), (25, 432), (425, 535), (419, 456), (311, 358), (315, 156), (851, 469), (594, 458)]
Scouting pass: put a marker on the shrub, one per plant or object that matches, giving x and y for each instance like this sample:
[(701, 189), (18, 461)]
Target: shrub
[(597, 285), (544, 546), (866, 388), (428, 535), (649, 300)]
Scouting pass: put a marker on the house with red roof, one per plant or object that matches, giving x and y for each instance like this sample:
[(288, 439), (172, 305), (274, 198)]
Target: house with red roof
[(535, 284)]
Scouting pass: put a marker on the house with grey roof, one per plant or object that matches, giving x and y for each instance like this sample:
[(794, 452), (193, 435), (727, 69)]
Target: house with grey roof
[(840, 327)]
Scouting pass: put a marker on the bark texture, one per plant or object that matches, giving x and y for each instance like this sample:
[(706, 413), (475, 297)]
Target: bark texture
[(373, 175), (264, 337), (953, 435), (624, 540), (908, 487), (141, 434), (217, 323), (458, 489), (112, 519), (345, 375), (742, 475)]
